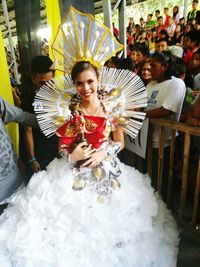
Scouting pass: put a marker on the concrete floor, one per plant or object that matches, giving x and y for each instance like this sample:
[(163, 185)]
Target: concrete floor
[(189, 249)]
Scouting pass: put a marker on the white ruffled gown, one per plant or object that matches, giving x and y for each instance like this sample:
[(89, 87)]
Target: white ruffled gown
[(48, 224)]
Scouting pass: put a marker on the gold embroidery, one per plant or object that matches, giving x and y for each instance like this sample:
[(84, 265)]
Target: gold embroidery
[(90, 125), (70, 130)]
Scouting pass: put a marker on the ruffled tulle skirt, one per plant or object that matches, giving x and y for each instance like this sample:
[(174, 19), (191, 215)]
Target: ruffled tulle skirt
[(48, 224)]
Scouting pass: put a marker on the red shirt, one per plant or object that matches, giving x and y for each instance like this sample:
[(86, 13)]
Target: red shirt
[(166, 23)]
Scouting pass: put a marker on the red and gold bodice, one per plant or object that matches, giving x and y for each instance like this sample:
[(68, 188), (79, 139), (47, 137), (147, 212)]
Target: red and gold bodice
[(96, 132)]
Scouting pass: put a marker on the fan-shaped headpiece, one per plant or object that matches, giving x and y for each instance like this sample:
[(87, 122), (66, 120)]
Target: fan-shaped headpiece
[(81, 37)]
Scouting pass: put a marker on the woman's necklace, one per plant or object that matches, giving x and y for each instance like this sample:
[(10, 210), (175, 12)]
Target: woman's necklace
[(93, 114)]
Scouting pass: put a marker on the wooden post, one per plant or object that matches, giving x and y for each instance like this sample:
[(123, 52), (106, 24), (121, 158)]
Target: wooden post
[(196, 196), (149, 151), (184, 175), (160, 160), (171, 168)]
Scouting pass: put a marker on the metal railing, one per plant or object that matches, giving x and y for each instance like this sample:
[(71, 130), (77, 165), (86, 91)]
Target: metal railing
[(188, 132)]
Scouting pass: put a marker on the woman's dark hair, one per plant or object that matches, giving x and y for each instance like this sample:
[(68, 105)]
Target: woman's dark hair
[(164, 32), (126, 64), (82, 66), (162, 40), (180, 68), (176, 12), (143, 49), (113, 60), (166, 59)]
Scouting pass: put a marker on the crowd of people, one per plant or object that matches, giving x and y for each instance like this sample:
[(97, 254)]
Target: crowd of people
[(164, 51)]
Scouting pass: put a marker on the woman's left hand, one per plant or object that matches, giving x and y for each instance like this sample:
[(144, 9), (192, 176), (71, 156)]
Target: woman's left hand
[(94, 159)]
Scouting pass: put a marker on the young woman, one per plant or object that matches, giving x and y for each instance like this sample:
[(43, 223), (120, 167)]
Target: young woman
[(145, 72), (54, 223), (178, 37), (165, 99), (142, 39), (176, 15)]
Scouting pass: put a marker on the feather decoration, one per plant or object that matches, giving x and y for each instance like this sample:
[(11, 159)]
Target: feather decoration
[(124, 90)]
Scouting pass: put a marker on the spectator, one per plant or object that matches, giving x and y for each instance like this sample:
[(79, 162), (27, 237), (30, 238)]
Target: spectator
[(126, 64), (194, 68), (113, 62), (40, 150), (152, 41), (137, 31), (132, 52), (180, 70), (142, 23), (150, 23), (194, 13), (160, 25), (129, 38), (145, 72), (141, 55), (163, 35), (189, 27), (157, 15), (142, 39), (182, 23), (165, 99), (178, 37), (131, 24), (193, 115), (167, 17), (176, 15), (197, 26), (191, 44), (10, 176), (161, 45), (171, 27)]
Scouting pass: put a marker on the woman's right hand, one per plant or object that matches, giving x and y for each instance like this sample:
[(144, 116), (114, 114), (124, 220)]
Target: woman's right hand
[(81, 152), (35, 166)]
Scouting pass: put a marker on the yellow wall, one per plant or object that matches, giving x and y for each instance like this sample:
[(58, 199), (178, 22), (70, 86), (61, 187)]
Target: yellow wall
[(53, 19)]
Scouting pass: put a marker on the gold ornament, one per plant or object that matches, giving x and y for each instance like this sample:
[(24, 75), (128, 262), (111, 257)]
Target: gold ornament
[(122, 120), (114, 93), (79, 184), (101, 199), (59, 120), (115, 184), (98, 173)]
